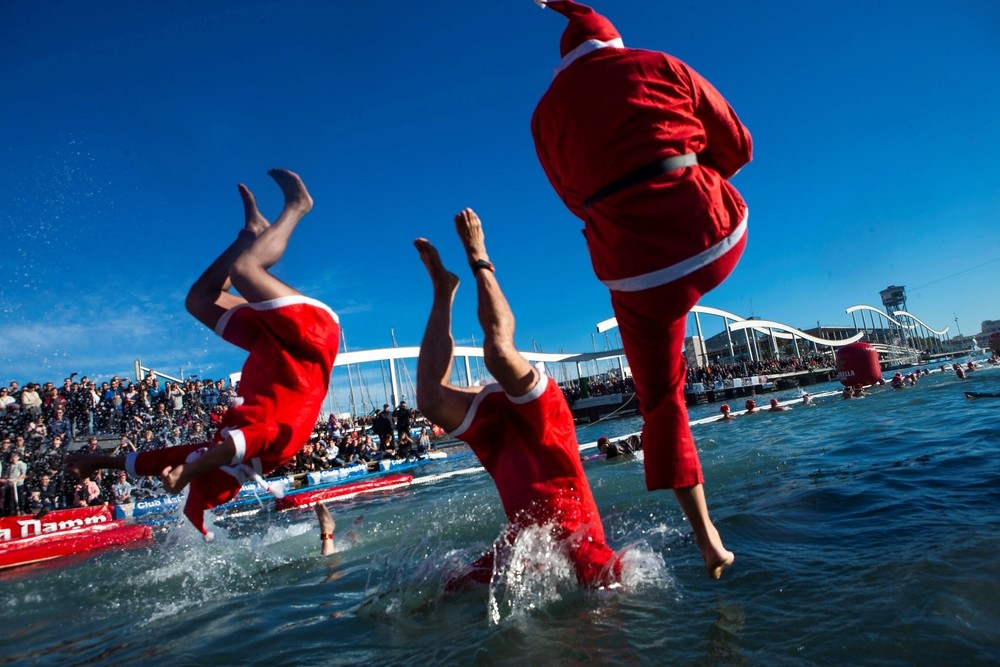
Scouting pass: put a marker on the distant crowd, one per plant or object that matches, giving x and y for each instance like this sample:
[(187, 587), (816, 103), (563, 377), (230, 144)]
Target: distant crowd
[(714, 372), (603, 387), (39, 422)]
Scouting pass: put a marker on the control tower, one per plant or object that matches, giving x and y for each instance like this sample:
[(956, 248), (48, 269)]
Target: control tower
[(893, 298)]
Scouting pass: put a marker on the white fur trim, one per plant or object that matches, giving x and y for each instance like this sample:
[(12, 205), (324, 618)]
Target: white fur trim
[(242, 472), (535, 392), (680, 269), (130, 464), (585, 48), (470, 415), (541, 3), (239, 441), (272, 304)]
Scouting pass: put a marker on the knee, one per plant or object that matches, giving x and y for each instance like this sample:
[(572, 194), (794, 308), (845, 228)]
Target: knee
[(241, 269), (194, 301)]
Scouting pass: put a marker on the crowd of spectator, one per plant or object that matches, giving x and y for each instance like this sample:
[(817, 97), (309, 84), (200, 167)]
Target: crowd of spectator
[(708, 375), (598, 386), (39, 423), (770, 366)]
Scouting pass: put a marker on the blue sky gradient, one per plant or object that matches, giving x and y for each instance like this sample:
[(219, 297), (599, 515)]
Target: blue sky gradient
[(126, 126)]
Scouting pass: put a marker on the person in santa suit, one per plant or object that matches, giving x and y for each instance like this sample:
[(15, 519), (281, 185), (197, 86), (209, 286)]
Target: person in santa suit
[(520, 426), (640, 147), (292, 343)]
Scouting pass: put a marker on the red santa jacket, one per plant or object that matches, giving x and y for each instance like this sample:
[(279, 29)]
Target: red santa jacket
[(614, 110)]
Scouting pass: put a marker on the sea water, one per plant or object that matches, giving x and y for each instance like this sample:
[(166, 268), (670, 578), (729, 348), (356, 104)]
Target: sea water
[(866, 532)]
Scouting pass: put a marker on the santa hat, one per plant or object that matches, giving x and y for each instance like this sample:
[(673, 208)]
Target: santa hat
[(194, 510), (205, 492), (585, 25)]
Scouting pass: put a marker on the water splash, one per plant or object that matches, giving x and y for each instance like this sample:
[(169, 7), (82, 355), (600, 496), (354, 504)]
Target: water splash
[(531, 572)]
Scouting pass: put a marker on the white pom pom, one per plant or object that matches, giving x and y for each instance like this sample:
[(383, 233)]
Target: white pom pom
[(209, 536), (540, 3), (277, 490)]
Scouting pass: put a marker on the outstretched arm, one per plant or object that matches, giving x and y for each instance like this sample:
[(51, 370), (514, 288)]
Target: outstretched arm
[(514, 373), (439, 401)]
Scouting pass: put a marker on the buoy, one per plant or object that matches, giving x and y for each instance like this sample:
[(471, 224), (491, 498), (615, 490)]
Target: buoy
[(857, 363)]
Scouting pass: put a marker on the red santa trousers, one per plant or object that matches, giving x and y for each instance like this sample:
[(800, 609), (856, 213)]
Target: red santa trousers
[(652, 324)]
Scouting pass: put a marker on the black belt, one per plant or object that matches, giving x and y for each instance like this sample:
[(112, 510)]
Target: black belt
[(641, 175)]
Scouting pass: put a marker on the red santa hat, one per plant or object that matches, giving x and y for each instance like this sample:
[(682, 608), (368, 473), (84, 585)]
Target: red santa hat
[(584, 25), (205, 492), (194, 510)]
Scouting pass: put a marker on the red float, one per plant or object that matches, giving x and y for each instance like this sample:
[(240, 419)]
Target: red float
[(342, 491), (857, 363)]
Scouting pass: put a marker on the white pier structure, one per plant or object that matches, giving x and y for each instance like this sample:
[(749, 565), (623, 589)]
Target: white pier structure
[(900, 338)]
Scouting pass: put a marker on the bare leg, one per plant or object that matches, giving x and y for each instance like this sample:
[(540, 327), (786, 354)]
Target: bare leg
[(439, 401), (249, 271), (326, 527), (175, 478), (502, 359), (209, 298), (706, 537), (84, 465)]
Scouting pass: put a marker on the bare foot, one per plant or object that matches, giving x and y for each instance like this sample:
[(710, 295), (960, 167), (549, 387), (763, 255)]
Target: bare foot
[(297, 198), (173, 478), (326, 527), (470, 232), (716, 557), (80, 465), (441, 278), (255, 222)]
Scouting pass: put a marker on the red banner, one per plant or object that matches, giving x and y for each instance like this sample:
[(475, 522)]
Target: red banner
[(18, 527)]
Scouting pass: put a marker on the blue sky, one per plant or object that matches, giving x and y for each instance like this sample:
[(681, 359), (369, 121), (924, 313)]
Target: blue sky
[(126, 126)]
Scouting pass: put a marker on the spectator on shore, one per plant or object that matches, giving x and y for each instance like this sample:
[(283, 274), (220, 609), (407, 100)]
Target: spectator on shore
[(13, 476), (33, 505), (125, 446), (59, 424), (382, 426), (6, 400), (121, 490), (402, 416), (31, 402), (83, 491), (21, 448), (405, 445), (333, 429), (424, 441), (348, 449), (55, 455), (175, 397), (173, 437), (51, 497), (36, 432)]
